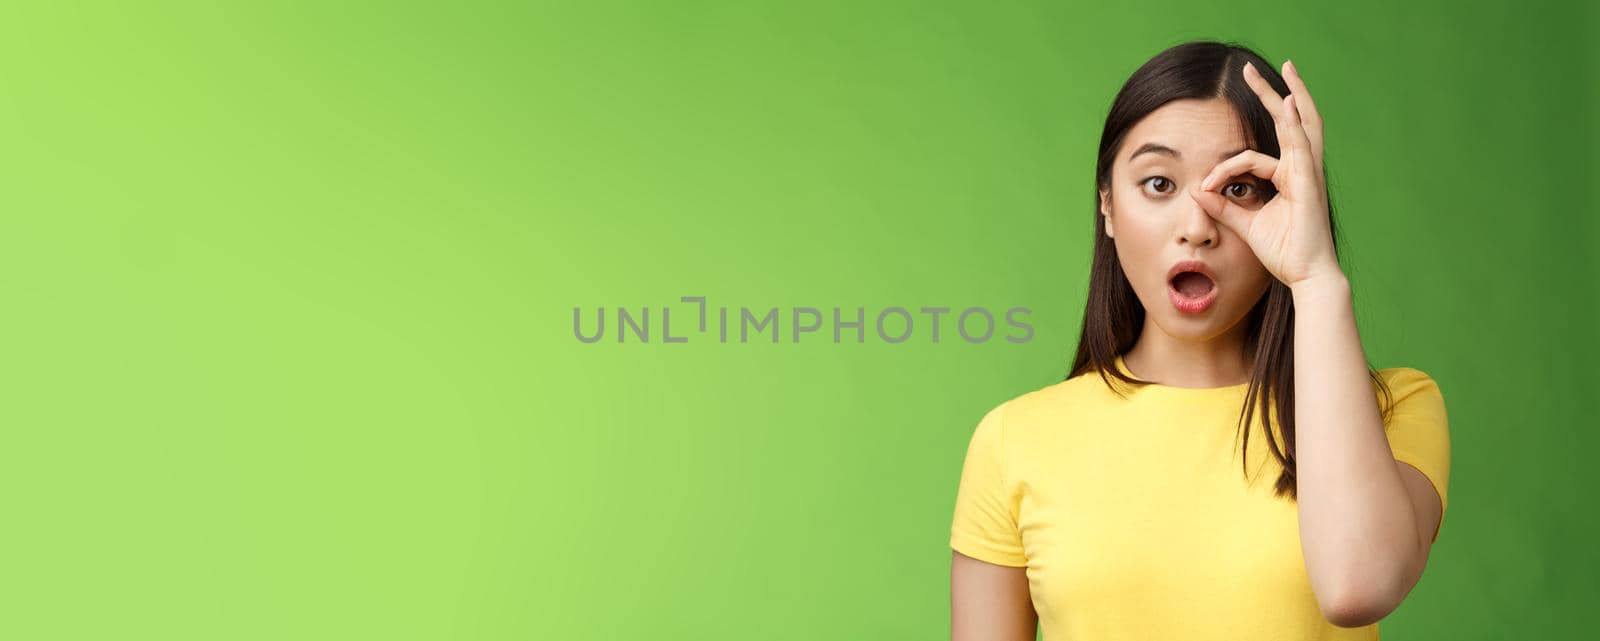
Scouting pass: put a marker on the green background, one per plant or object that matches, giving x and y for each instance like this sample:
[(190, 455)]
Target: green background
[(289, 287)]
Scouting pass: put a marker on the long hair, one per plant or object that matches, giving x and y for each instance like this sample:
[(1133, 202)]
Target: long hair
[(1113, 315)]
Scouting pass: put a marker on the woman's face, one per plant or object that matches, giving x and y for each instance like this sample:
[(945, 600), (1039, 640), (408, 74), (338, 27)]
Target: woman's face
[(1156, 224)]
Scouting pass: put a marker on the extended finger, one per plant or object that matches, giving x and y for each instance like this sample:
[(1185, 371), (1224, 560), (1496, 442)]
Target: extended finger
[(1296, 132), (1309, 115), (1269, 97), (1247, 161), (1274, 104)]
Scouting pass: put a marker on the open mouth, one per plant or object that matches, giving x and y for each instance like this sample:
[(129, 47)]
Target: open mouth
[(1192, 292), (1193, 285)]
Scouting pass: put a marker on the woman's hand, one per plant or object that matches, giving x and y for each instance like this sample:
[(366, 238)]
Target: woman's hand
[(1290, 234)]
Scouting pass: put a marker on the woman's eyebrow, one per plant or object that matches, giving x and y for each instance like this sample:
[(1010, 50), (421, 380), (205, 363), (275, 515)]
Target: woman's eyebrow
[(1158, 148), (1154, 148)]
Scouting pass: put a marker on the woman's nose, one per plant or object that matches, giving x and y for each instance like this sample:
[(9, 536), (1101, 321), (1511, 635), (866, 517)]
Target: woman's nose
[(1197, 227)]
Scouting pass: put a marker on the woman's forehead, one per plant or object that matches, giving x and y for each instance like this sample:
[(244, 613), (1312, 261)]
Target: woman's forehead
[(1187, 131)]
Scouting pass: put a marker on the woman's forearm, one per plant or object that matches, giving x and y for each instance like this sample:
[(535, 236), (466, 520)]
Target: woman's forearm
[(1357, 526)]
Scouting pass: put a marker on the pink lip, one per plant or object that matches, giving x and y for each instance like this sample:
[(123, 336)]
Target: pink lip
[(1192, 305)]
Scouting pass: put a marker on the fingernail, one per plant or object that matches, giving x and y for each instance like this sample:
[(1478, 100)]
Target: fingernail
[(1289, 64), (1249, 67)]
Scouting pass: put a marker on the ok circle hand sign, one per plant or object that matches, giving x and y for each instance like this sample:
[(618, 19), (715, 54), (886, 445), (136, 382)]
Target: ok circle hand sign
[(1290, 234)]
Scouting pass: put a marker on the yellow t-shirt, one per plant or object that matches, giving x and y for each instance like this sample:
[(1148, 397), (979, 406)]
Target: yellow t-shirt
[(1135, 520)]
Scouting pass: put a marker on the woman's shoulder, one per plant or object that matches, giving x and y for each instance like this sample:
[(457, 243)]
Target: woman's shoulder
[(1403, 373), (1073, 389), (1407, 381), (1050, 404), (1411, 388)]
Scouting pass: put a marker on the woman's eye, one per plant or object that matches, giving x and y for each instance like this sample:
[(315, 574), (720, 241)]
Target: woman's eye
[(1246, 190), (1161, 184)]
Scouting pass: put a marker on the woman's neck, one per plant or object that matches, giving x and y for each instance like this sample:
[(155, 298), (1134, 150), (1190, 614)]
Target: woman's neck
[(1160, 358)]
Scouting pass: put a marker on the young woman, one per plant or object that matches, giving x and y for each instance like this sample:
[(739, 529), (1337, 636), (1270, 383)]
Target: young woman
[(1126, 502)]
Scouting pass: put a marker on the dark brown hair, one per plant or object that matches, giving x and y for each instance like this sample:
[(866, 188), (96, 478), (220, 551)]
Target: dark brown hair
[(1113, 315)]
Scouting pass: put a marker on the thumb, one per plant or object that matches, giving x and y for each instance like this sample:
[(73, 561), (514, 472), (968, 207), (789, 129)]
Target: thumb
[(1230, 215)]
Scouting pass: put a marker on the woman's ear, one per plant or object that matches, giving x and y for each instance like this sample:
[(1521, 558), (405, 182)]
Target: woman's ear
[(1105, 210)]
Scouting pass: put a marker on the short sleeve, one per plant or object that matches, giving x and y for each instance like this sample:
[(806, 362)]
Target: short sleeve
[(985, 524), (1419, 430)]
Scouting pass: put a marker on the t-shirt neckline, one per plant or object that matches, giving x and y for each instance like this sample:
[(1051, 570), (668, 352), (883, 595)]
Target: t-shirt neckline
[(1183, 390)]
